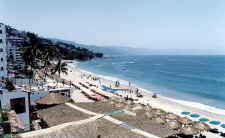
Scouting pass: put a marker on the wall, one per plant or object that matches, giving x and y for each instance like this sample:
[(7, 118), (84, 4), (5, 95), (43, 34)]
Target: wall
[(5, 101), (4, 53), (38, 95)]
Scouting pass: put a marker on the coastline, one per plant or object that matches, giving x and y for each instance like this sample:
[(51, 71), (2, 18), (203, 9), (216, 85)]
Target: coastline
[(162, 102)]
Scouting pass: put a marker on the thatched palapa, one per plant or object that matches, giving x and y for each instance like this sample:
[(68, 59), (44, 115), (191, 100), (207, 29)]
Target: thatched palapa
[(174, 125), (53, 98), (202, 126), (189, 131), (60, 114)]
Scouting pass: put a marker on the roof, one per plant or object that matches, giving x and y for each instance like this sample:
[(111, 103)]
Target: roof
[(93, 129), (60, 114), (53, 98)]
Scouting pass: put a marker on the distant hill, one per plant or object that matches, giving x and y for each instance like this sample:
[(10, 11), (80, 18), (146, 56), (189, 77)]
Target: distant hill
[(67, 51), (109, 51)]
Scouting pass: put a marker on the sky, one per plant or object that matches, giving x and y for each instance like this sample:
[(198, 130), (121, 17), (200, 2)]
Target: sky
[(153, 24)]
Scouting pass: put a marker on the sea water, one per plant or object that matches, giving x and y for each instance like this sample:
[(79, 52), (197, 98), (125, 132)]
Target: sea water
[(193, 80)]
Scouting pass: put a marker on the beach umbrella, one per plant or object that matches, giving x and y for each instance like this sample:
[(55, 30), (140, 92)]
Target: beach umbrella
[(223, 125), (185, 121), (174, 125), (214, 122), (132, 103), (149, 115), (120, 100), (114, 98), (201, 126), (195, 115), (137, 107), (159, 120), (119, 105), (185, 113), (203, 119), (129, 102), (126, 107), (147, 108), (158, 112), (112, 102), (188, 131), (171, 116), (53, 98)]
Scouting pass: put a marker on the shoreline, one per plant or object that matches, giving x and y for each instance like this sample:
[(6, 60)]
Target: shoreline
[(162, 102)]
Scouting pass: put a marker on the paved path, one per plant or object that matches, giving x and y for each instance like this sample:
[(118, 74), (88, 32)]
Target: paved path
[(113, 120)]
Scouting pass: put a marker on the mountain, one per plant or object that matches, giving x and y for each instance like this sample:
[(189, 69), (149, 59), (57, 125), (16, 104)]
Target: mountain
[(109, 51), (67, 51)]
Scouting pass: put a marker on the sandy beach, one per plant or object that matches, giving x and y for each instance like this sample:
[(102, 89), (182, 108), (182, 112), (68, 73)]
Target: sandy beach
[(76, 75)]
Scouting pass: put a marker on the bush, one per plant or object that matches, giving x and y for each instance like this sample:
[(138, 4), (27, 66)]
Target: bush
[(9, 85)]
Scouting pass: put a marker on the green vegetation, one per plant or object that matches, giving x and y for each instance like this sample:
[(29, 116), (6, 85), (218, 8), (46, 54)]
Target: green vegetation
[(70, 52), (9, 85), (60, 67)]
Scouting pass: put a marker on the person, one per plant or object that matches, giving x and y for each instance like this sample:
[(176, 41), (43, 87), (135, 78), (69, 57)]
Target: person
[(117, 84), (154, 95), (100, 82), (129, 84), (136, 91)]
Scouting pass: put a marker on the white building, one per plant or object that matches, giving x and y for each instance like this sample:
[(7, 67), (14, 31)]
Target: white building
[(17, 100), (3, 52), (14, 50)]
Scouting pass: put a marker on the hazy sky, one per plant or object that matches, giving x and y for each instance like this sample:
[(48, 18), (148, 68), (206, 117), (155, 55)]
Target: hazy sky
[(158, 24)]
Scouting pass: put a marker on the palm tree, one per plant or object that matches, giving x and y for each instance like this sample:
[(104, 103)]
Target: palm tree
[(48, 54), (60, 67)]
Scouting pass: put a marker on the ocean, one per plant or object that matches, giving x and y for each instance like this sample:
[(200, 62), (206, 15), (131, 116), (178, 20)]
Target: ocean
[(192, 80)]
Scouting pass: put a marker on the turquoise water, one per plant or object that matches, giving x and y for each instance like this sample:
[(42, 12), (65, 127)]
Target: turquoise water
[(199, 79)]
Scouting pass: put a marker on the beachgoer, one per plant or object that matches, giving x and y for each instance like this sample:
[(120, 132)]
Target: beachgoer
[(129, 84), (100, 82), (154, 95)]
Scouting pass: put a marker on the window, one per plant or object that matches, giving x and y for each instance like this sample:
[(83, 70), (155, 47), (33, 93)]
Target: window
[(1, 50), (0, 31), (0, 40), (18, 105), (1, 59), (2, 68)]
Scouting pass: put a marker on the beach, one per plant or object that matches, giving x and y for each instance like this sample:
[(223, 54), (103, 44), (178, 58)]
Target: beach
[(75, 74)]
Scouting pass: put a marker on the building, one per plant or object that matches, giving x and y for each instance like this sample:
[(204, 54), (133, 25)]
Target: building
[(3, 52), (14, 50), (18, 101)]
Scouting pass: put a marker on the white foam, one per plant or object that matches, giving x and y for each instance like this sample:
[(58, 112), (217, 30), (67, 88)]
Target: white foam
[(74, 64), (199, 106)]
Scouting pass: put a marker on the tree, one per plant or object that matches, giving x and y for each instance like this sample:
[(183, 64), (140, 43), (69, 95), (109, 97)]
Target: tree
[(60, 67), (49, 54)]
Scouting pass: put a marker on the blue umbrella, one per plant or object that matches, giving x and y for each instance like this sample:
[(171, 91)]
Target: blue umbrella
[(223, 125), (185, 113), (204, 119), (195, 115), (214, 122)]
